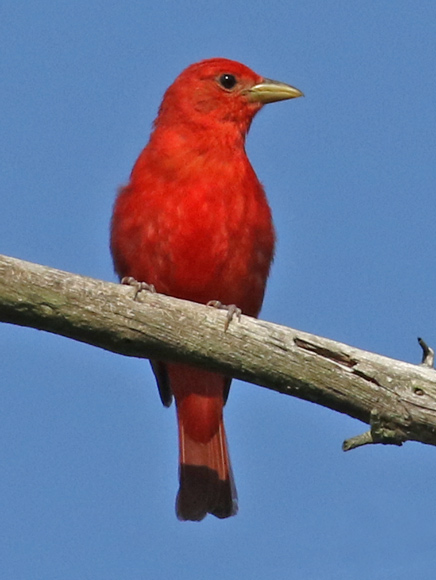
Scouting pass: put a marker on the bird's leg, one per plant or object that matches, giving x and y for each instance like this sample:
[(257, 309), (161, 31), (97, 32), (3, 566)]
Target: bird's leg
[(232, 311), (138, 286)]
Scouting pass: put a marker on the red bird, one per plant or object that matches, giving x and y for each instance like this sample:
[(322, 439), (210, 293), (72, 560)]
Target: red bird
[(194, 222)]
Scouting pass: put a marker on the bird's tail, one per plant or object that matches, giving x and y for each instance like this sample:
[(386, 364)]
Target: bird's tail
[(206, 478), (205, 473)]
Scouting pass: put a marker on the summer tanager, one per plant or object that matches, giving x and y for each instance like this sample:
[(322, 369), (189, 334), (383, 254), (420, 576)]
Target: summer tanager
[(194, 222)]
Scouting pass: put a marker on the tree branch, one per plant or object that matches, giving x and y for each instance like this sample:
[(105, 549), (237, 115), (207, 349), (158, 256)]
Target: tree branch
[(397, 399)]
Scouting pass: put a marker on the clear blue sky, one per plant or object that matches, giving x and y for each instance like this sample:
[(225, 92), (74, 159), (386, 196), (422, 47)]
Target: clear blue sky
[(88, 456)]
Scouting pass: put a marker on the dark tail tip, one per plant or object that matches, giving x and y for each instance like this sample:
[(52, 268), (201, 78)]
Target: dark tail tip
[(202, 492)]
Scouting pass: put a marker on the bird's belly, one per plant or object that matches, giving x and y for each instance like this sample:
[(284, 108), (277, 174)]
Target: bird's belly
[(197, 243), (211, 259)]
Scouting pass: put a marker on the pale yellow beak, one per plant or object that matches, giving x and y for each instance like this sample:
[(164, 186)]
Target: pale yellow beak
[(269, 91)]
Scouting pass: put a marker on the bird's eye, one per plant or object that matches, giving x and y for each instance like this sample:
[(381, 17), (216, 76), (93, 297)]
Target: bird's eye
[(227, 81)]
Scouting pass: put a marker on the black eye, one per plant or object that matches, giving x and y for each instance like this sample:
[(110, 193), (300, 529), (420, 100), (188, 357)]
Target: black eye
[(227, 81)]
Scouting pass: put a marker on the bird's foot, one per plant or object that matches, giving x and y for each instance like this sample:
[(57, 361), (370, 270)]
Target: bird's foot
[(232, 311), (138, 286)]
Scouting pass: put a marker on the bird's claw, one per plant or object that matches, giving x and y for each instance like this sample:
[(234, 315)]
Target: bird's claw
[(232, 311), (138, 286)]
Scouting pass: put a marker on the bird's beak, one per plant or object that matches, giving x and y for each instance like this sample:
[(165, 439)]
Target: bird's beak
[(269, 91)]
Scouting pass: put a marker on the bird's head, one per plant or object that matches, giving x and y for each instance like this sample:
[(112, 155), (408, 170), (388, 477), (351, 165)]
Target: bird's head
[(219, 92)]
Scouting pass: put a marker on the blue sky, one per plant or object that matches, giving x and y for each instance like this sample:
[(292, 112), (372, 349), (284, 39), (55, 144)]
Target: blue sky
[(88, 456)]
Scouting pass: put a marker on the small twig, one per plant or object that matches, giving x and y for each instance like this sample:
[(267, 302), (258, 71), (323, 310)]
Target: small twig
[(380, 433), (427, 354)]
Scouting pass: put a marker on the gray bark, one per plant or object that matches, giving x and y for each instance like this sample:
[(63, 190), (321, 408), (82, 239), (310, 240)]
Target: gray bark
[(397, 399)]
